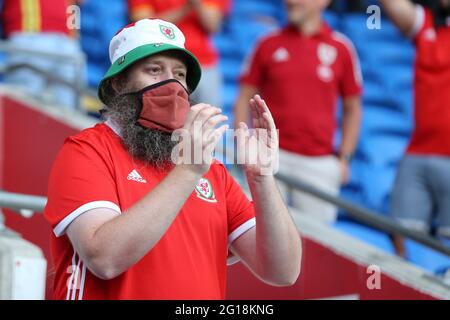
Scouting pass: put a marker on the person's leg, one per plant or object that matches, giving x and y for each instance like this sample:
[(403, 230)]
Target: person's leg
[(411, 199), (324, 174), (320, 172), (439, 176), (209, 90)]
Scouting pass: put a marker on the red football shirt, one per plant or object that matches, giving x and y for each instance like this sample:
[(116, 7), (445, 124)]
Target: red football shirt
[(300, 78), (431, 135), (94, 170), (197, 39), (34, 16)]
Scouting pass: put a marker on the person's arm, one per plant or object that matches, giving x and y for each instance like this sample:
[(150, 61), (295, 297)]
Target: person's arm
[(174, 15), (141, 13), (109, 243), (351, 122), (241, 108), (402, 13), (271, 250), (210, 17), (139, 9)]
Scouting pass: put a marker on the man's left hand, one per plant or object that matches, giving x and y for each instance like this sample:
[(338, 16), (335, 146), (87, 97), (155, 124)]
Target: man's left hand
[(257, 148)]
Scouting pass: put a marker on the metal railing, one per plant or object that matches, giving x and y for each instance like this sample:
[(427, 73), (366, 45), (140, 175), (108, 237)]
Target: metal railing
[(23, 204), (18, 202), (366, 216)]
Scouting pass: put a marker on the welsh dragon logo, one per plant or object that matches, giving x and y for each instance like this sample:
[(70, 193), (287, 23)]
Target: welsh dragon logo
[(205, 191)]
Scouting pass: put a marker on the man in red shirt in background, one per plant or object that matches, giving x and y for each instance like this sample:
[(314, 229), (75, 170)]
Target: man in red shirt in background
[(42, 26), (301, 71), (422, 186), (198, 20)]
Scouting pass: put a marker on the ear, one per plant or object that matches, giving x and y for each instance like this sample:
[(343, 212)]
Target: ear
[(117, 84)]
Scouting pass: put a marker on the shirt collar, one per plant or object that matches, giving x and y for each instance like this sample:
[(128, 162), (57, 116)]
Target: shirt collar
[(324, 30), (114, 126)]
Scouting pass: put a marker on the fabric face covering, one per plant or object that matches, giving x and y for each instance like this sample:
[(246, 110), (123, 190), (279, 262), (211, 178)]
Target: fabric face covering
[(164, 105)]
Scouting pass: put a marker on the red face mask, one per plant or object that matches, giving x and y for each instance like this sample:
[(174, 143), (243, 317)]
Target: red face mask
[(164, 106)]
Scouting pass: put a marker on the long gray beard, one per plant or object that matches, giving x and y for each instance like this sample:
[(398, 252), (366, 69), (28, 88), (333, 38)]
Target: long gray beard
[(151, 146)]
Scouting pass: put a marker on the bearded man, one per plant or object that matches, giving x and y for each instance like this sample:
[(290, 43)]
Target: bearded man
[(129, 221)]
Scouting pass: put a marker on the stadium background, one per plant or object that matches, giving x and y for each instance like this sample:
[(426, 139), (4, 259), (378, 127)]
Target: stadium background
[(387, 66)]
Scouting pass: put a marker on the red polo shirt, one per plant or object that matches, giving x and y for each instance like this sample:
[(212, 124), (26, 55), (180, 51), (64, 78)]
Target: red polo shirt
[(94, 170), (431, 135), (301, 78), (197, 39), (35, 16)]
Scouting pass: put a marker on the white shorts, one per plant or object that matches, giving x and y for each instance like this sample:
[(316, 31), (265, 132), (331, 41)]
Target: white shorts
[(322, 172)]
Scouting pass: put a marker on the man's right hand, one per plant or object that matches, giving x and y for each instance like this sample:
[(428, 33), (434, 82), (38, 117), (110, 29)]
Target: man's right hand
[(199, 137)]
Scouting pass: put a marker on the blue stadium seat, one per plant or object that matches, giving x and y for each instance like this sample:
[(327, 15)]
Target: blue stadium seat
[(227, 47), (383, 149), (96, 73), (378, 121), (374, 91), (378, 183), (269, 8), (229, 97), (231, 70), (95, 36), (428, 259), (355, 26), (366, 234), (256, 26), (332, 19)]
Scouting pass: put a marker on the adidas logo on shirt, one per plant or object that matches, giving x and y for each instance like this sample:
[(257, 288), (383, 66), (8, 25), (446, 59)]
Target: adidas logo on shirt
[(135, 176)]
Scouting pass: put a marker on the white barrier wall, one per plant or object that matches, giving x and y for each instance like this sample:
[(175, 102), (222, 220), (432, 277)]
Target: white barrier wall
[(22, 269)]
